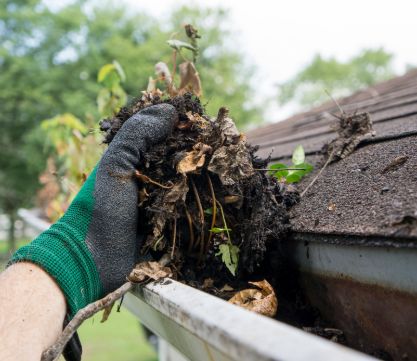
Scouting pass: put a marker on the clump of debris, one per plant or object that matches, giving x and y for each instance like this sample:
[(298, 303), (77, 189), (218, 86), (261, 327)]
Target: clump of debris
[(204, 197)]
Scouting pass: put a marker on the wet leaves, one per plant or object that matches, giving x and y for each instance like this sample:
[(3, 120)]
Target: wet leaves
[(178, 206), (146, 271), (231, 163), (261, 299), (194, 159), (352, 129)]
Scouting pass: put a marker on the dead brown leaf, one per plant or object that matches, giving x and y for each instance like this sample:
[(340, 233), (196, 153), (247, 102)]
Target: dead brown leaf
[(208, 283), (262, 300), (190, 79), (169, 199), (194, 159), (226, 288), (163, 72), (331, 207), (395, 164), (231, 163), (145, 271)]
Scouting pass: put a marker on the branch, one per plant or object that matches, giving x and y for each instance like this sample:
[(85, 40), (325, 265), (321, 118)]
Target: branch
[(54, 351), (318, 174)]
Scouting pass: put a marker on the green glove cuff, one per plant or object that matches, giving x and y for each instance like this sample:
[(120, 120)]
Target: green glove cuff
[(62, 252)]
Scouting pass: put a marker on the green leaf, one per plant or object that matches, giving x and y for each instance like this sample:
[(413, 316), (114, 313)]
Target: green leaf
[(64, 121), (230, 256), (104, 72), (293, 178), (298, 156), (110, 75), (307, 168), (178, 45), (276, 166), (119, 70), (209, 211), (220, 230), (103, 100)]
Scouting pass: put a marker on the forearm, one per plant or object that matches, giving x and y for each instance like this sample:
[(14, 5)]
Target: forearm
[(32, 311)]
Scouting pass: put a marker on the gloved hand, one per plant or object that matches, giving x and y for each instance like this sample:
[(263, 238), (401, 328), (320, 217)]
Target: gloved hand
[(93, 247)]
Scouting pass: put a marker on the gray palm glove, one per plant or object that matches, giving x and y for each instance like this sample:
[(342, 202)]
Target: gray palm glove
[(93, 247), (112, 235)]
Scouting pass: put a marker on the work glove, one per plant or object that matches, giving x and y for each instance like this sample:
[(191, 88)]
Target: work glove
[(93, 247)]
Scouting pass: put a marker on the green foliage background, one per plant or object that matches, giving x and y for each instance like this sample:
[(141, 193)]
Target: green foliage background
[(307, 88)]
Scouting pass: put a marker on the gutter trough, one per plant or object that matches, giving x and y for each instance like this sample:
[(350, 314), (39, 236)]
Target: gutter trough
[(367, 290), (205, 328)]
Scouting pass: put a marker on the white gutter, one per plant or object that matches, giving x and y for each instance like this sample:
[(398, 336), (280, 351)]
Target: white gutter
[(205, 328)]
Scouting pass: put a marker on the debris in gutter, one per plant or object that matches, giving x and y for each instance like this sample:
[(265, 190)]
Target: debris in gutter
[(395, 164), (352, 129), (261, 300), (200, 188)]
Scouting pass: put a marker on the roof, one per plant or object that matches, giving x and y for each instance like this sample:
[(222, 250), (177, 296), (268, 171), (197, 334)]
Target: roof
[(372, 193)]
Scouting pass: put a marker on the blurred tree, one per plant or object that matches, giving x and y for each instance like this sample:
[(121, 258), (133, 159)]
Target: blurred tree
[(49, 61), (308, 87)]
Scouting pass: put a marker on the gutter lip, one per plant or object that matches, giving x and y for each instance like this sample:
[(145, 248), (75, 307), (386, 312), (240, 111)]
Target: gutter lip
[(237, 333), (365, 240)]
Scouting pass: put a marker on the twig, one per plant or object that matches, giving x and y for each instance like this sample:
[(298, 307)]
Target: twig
[(279, 169), (174, 70), (335, 101), (54, 351), (174, 236), (157, 242), (190, 227), (145, 179), (200, 209), (106, 313), (214, 211), (318, 174), (224, 221)]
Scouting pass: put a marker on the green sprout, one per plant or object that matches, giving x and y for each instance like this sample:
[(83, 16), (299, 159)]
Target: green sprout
[(296, 171), (228, 251)]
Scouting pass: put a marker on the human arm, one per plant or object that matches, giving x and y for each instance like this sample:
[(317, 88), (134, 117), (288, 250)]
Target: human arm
[(32, 311)]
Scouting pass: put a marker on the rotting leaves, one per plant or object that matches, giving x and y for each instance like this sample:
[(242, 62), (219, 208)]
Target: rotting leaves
[(351, 129), (194, 159), (261, 299), (145, 271), (199, 185)]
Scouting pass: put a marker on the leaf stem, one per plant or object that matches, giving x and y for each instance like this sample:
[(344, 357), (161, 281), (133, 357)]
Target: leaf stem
[(214, 211), (318, 174), (224, 221), (279, 169)]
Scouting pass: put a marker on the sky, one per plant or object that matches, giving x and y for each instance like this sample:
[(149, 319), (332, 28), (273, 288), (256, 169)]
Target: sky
[(281, 37)]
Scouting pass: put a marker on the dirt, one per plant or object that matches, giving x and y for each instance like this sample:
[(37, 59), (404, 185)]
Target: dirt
[(204, 167)]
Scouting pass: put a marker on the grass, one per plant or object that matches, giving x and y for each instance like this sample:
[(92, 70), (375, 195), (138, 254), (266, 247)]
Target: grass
[(119, 338)]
